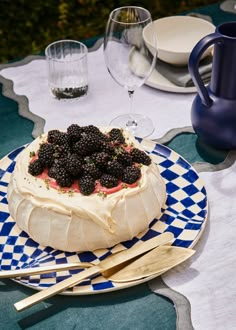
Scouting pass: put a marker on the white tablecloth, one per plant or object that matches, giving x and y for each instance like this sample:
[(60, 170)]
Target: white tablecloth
[(106, 99), (208, 279)]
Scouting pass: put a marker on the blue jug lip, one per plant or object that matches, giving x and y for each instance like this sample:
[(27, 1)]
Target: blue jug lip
[(227, 29)]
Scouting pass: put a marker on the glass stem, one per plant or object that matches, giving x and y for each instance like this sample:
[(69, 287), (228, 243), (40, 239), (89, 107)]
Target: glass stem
[(131, 122)]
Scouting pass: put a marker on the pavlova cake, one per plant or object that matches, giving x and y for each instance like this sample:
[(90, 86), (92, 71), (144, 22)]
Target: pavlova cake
[(85, 188)]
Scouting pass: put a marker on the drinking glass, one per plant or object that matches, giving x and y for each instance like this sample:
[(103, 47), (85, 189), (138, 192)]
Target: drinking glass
[(67, 69), (124, 40)]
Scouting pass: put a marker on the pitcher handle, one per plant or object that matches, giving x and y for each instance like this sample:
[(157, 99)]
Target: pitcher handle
[(193, 65)]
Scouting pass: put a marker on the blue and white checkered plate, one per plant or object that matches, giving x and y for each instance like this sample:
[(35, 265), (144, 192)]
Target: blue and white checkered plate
[(184, 214)]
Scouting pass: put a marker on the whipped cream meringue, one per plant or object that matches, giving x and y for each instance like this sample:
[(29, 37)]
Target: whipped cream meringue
[(74, 222)]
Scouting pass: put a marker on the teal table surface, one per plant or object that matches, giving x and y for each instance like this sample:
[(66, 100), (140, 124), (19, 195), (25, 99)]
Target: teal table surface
[(134, 308)]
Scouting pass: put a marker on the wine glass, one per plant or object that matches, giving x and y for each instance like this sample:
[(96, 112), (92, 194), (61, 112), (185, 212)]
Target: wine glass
[(124, 42)]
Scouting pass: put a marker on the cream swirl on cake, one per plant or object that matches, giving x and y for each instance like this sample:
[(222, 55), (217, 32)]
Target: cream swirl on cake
[(66, 219)]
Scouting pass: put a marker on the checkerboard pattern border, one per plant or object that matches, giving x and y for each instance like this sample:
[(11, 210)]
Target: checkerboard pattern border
[(184, 214)]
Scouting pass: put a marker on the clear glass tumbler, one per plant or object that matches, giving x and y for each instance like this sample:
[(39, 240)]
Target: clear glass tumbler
[(67, 69)]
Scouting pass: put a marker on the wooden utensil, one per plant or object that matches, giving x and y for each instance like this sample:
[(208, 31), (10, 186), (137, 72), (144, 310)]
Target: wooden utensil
[(108, 263), (43, 269), (155, 262)]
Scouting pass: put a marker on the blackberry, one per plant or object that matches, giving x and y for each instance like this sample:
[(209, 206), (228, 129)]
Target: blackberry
[(57, 137), (124, 158), (116, 136), (63, 178), (62, 139), (61, 162), (108, 181), (53, 135), (139, 156), (35, 168), (52, 171), (45, 154), (131, 174), (74, 132), (61, 151), (108, 148), (115, 168), (87, 145), (100, 159), (73, 165), (92, 170), (91, 129), (86, 185)]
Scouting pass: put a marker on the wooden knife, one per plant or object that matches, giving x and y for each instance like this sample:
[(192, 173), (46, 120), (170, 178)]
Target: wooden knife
[(109, 263), (29, 271), (155, 262)]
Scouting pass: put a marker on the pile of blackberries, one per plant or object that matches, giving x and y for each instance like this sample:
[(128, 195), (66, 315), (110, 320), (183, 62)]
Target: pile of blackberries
[(86, 154)]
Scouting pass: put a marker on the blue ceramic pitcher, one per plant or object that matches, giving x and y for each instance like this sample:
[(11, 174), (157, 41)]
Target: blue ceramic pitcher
[(213, 111)]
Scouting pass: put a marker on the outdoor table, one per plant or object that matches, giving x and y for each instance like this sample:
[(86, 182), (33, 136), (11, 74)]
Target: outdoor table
[(165, 302)]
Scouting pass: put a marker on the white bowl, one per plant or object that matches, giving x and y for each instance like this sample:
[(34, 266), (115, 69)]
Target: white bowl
[(176, 37)]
